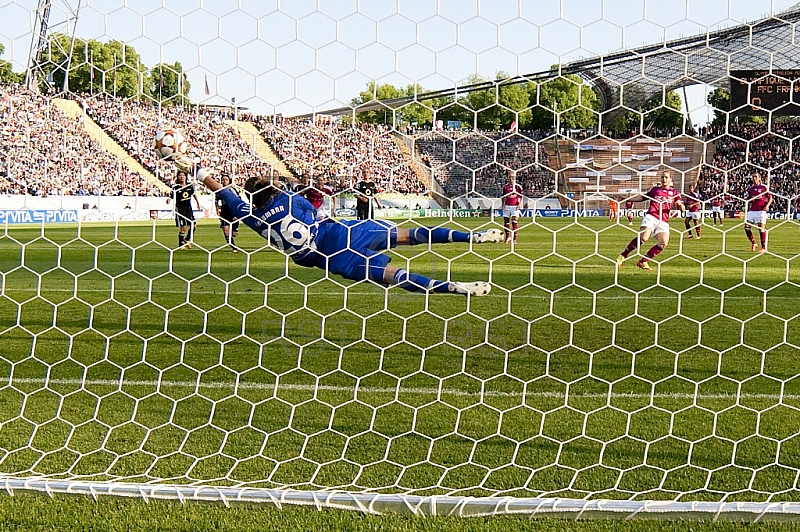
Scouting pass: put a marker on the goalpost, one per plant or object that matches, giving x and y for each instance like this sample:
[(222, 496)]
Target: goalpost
[(575, 389)]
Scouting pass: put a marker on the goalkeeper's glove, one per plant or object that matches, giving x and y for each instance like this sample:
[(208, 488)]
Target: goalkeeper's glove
[(191, 167)]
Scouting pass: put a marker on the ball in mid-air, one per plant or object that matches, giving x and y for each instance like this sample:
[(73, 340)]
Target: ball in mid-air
[(168, 142)]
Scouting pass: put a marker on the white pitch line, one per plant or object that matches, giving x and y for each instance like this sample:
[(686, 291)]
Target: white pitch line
[(414, 391), (327, 295)]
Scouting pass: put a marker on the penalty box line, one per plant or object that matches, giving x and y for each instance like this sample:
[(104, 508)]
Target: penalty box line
[(203, 292), (121, 384)]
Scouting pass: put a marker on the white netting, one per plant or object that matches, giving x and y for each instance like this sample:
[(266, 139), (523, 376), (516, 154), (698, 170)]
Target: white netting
[(131, 367)]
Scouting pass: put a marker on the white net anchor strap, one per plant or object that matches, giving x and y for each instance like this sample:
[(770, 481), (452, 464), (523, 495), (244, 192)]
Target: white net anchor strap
[(436, 505)]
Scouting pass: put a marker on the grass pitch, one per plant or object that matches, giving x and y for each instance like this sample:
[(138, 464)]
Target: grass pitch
[(124, 359), (23, 512)]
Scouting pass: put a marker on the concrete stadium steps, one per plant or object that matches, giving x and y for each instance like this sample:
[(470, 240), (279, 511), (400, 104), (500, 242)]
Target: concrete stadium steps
[(108, 144), (423, 173), (557, 159), (249, 133), (711, 151), (683, 155)]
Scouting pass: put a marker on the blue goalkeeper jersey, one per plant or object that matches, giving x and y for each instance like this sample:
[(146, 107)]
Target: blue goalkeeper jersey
[(288, 221), (350, 248)]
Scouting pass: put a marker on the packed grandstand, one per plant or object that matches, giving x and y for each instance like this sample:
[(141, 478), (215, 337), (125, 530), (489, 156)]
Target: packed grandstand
[(47, 153)]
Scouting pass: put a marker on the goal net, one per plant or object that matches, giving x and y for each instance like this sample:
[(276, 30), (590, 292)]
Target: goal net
[(144, 359)]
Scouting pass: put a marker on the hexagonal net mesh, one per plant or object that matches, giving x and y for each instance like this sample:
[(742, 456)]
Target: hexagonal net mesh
[(525, 364)]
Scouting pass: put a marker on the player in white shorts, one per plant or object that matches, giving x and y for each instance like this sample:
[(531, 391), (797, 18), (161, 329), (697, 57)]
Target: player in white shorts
[(654, 225), (656, 222), (759, 201), (756, 218), (512, 197), (511, 211), (693, 201)]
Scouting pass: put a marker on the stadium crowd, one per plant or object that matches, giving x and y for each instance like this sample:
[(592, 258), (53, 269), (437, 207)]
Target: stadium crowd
[(132, 124), (335, 152), (44, 152), (482, 162), (766, 152)]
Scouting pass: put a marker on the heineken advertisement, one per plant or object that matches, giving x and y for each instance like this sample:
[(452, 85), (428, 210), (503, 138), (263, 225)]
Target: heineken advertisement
[(417, 213)]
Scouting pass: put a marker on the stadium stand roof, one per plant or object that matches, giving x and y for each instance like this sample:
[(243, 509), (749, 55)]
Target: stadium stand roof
[(627, 79)]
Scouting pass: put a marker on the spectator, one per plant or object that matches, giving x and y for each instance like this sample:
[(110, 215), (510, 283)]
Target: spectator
[(44, 152)]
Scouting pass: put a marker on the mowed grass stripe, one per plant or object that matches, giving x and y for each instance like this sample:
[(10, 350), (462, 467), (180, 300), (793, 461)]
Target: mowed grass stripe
[(505, 394)]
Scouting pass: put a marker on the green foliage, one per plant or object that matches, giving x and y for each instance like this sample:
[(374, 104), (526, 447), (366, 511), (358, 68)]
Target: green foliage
[(662, 112), (496, 108), (720, 100), (419, 113), (373, 91), (575, 102), (94, 67), (489, 109), (112, 68), (6, 74), (168, 84)]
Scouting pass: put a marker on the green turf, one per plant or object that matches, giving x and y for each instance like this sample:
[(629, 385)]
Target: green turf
[(130, 361), (23, 512)]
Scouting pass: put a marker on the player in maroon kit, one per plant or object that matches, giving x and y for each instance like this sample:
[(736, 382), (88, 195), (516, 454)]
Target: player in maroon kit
[(656, 222), (717, 209), (629, 211), (693, 203), (316, 197), (758, 202), (512, 198)]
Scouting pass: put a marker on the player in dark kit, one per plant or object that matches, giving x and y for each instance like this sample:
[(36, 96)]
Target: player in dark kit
[(350, 248), (656, 222), (227, 219), (758, 202), (693, 202), (365, 193), (182, 193)]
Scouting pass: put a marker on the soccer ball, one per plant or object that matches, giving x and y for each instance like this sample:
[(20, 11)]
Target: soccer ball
[(168, 142)]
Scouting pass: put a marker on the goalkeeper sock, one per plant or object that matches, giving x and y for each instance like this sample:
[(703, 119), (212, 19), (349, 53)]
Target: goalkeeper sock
[(181, 240), (436, 235), (418, 283), (749, 233)]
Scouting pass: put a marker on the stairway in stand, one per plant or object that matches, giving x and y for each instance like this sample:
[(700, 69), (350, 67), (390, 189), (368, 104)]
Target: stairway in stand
[(248, 132), (108, 144)]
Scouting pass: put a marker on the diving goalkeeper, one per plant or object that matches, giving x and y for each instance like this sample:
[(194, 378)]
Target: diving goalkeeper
[(350, 248)]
